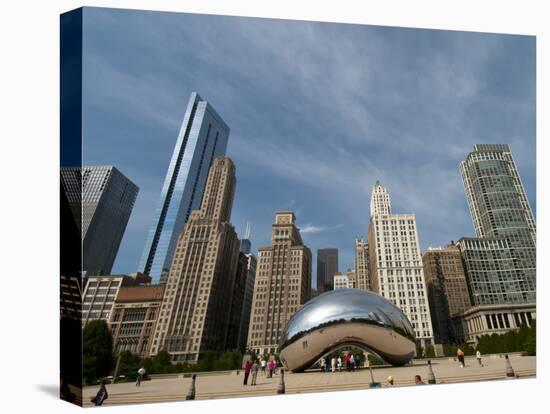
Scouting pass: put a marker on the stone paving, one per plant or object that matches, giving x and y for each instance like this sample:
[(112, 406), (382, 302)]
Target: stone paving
[(231, 384)]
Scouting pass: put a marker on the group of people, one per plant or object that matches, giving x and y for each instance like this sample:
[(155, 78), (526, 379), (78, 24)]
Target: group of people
[(461, 360), (336, 363), (252, 367)]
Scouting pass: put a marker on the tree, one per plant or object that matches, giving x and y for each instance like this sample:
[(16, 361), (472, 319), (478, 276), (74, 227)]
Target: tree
[(429, 351), (97, 351)]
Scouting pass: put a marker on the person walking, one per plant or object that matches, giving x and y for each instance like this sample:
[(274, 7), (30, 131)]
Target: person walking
[(352, 362), (333, 364), (140, 376), (339, 364), (263, 364), (247, 368), (271, 368), (478, 357), (255, 367), (101, 395), (418, 380), (460, 357)]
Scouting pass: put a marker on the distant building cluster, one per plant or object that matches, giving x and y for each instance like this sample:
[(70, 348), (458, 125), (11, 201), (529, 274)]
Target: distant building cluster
[(200, 288)]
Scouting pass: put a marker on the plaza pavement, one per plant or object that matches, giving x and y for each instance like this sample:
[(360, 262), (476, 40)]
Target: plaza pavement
[(225, 385)]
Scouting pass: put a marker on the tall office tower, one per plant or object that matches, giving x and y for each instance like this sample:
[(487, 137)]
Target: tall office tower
[(447, 290), (362, 264), (196, 308), (246, 245), (500, 210), (203, 136), (395, 262), (101, 199), (234, 340), (282, 284), (327, 266)]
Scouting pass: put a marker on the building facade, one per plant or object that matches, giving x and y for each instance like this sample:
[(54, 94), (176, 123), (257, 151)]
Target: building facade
[(203, 136), (502, 269), (396, 270), (101, 200), (448, 293), (252, 263), (100, 293), (346, 280), (282, 285), (196, 309), (327, 266), (362, 264), (133, 318)]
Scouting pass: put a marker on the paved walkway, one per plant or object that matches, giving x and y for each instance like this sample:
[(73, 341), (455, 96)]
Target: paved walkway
[(230, 385)]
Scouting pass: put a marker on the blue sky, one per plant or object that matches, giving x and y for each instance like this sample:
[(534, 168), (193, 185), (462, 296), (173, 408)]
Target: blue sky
[(318, 112)]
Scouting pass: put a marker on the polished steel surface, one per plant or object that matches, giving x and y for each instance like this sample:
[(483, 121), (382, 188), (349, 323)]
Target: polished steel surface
[(346, 317)]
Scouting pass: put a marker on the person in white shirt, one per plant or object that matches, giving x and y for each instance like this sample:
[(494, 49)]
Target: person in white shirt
[(263, 364), (339, 364), (478, 357), (333, 364)]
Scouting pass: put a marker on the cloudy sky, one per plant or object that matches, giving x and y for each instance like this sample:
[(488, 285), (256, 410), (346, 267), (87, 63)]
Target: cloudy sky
[(318, 112)]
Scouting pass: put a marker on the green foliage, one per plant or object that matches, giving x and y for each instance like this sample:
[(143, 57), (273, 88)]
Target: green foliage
[(450, 349), (374, 360), (97, 351), (429, 351), (227, 361), (523, 340), (419, 351)]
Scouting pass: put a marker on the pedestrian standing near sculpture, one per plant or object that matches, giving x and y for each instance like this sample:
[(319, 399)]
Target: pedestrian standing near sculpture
[(101, 395), (352, 362), (262, 364), (339, 364), (140, 376), (323, 364), (254, 369), (347, 358), (478, 357), (247, 368), (460, 357), (271, 368), (333, 364)]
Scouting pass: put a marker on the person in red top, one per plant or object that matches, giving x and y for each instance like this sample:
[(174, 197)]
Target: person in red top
[(348, 365), (247, 368)]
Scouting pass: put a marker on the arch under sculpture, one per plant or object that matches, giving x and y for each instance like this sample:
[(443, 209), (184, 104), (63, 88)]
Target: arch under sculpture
[(346, 317)]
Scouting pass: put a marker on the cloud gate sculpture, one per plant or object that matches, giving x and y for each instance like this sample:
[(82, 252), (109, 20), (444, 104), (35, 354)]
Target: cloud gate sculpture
[(346, 317)]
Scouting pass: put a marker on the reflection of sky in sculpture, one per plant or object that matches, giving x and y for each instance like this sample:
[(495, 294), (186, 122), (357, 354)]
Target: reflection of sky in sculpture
[(346, 304)]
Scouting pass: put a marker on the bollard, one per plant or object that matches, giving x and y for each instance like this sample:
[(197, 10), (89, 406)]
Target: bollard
[(509, 369), (431, 376), (191, 393), (281, 388)]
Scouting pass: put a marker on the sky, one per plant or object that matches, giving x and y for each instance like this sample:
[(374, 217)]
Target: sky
[(318, 112)]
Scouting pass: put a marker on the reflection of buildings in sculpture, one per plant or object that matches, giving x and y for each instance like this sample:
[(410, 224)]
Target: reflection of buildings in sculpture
[(500, 263), (342, 318), (202, 137), (345, 281), (282, 284), (101, 291), (134, 316), (195, 314), (362, 264), (101, 199), (447, 290), (395, 262), (327, 266), (251, 265)]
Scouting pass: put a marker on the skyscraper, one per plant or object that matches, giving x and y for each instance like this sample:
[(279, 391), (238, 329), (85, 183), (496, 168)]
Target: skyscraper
[(500, 211), (101, 199), (196, 310), (362, 264), (282, 284), (448, 293), (396, 270), (252, 263), (327, 266), (203, 136)]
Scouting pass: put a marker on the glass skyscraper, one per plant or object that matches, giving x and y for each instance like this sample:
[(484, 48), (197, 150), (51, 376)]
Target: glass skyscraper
[(327, 266), (101, 199), (501, 264), (203, 136)]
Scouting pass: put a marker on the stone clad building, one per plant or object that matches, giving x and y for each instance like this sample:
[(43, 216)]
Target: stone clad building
[(282, 285)]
